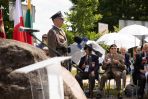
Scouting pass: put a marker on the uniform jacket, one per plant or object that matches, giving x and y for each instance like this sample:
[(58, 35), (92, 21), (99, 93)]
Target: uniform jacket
[(138, 65), (113, 66), (56, 40)]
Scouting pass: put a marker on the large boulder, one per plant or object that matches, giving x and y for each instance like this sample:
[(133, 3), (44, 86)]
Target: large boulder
[(14, 55)]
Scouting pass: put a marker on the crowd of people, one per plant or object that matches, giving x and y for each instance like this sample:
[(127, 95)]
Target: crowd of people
[(140, 69), (116, 64)]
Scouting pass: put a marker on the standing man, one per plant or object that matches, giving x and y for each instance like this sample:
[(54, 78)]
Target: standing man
[(57, 39)]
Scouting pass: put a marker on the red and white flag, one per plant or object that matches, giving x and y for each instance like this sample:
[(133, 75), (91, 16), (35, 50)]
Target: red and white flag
[(18, 21), (2, 30)]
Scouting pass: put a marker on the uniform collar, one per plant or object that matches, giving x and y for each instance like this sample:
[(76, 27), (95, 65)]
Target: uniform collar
[(56, 27)]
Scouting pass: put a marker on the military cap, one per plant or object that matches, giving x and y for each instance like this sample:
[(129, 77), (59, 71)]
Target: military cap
[(58, 14)]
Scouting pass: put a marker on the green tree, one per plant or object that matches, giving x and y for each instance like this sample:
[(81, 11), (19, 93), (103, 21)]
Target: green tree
[(93, 35), (69, 34), (83, 16), (114, 10)]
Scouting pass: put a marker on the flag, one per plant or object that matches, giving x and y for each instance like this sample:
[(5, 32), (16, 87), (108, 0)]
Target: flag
[(2, 30), (28, 22), (18, 21)]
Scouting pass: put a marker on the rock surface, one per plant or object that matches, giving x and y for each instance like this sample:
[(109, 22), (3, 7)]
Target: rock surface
[(14, 55)]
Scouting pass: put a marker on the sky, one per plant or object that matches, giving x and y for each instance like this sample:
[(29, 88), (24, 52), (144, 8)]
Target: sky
[(44, 10)]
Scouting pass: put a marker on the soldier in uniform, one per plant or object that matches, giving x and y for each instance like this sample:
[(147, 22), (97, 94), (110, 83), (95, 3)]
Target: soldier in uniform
[(113, 65), (57, 39)]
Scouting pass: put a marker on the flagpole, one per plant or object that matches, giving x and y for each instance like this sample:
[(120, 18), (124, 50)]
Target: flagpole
[(2, 29)]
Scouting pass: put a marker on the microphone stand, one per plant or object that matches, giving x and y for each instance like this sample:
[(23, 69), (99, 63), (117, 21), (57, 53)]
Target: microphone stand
[(44, 44), (30, 31)]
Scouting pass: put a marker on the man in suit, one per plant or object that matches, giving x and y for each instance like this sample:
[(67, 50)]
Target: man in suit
[(127, 59), (127, 64), (90, 65), (113, 65), (57, 39), (139, 69)]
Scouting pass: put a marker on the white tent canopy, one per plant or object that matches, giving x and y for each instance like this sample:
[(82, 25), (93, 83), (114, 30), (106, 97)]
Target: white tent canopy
[(121, 40), (146, 39), (134, 30)]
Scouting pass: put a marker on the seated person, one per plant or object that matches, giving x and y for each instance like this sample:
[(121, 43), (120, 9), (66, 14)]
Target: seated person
[(126, 57), (44, 42), (89, 65), (127, 64), (134, 72), (113, 65), (140, 69)]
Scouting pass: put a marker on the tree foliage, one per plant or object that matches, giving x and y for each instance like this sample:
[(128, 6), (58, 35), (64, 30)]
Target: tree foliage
[(114, 10), (83, 16), (69, 34)]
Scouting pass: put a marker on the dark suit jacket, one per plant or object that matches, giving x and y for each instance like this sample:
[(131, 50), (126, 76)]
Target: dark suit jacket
[(127, 60), (94, 58), (138, 63), (112, 66), (41, 45)]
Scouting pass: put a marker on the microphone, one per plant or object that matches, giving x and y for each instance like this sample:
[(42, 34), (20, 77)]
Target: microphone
[(25, 29)]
